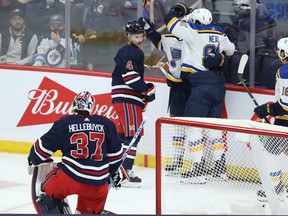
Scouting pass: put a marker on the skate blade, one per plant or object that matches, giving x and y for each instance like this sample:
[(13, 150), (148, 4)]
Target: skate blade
[(222, 178), (194, 180), (128, 184), (172, 173)]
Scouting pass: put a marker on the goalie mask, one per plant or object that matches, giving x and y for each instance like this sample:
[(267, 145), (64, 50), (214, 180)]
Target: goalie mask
[(84, 101), (282, 48), (202, 16)]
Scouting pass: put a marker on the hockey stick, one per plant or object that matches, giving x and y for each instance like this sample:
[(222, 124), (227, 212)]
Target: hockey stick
[(242, 64), (129, 148), (160, 65), (134, 138)]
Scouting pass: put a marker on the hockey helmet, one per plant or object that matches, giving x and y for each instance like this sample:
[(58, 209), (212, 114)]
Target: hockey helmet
[(201, 15), (56, 18), (84, 101), (134, 28), (282, 48), (241, 5)]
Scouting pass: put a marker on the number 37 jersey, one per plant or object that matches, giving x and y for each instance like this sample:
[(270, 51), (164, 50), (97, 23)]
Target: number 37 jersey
[(90, 147)]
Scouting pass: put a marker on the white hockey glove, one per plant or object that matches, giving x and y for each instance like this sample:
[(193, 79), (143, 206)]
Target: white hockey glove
[(31, 166)]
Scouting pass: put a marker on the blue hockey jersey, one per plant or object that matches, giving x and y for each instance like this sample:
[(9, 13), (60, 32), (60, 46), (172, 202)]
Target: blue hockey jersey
[(128, 82), (90, 147)]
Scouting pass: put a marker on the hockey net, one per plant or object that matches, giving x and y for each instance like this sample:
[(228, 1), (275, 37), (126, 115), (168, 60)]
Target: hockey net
[(220, 166)]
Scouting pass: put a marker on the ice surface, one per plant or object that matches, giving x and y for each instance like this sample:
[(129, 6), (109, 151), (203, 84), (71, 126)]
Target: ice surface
[(16, 196)]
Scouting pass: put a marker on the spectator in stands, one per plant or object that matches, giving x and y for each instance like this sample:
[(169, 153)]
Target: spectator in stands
[(17, 43), (76, 22), (239, 32), (51, 51), (29, 1), (5, 7), (264, 24), (129, 9), (38, 15), (77, 28), (275, 8), (96, 32)]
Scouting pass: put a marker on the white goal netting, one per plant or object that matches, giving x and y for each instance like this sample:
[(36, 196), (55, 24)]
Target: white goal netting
[(220, 166)]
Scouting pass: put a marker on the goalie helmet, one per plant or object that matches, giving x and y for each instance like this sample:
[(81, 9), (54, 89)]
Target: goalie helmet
[(134, 28), (84, 101), (282, 48), (201, 15)]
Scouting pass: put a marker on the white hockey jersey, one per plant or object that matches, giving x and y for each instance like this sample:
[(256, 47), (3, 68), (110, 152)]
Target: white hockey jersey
[(172, 46), (198, 41), (281, 89)]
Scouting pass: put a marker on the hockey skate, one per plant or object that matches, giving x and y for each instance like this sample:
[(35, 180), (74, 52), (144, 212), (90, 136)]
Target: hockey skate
[(218, 172), (133, 181), (280, 190), (196, 176), (174, 168)]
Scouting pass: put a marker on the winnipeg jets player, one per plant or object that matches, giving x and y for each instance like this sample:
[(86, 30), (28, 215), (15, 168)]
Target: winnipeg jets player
[(91, 152)]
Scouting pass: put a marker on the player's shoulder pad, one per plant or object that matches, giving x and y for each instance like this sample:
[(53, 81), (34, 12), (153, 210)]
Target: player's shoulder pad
[(283, 72)]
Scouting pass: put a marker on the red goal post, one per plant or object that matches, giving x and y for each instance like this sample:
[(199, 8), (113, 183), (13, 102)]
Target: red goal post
[(252, 161)]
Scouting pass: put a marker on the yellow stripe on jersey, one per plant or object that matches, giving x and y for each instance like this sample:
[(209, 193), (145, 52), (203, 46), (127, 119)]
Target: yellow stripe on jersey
[(159, 45), (278, 73), (282, 117), (209, 32), (223, 60), (171, 22), (187, 70), (284, 107), (171, 78)]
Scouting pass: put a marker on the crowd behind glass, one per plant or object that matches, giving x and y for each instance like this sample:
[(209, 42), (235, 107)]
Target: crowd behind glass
[(95, 28)]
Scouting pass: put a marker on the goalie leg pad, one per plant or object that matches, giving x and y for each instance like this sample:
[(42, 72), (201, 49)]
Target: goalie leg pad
[(49, 205), (39, 173)]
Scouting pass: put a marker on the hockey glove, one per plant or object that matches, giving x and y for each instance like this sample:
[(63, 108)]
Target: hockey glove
[(263, 110), (181, 9), (214, 60), (147, 25), (30, 166), (150, 93), (116, 179)]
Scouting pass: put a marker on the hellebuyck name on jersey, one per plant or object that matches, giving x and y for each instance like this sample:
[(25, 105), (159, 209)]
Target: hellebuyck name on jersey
[(86, 127)]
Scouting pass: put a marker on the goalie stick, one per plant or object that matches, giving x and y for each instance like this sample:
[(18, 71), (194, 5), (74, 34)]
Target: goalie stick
[(241, 67)]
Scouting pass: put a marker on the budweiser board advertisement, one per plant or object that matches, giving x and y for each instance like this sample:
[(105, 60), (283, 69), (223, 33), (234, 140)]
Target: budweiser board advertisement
[(35, 99)]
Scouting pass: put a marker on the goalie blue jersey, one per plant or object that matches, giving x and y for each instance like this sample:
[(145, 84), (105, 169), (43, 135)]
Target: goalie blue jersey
[(128, 76), (90, 147)]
